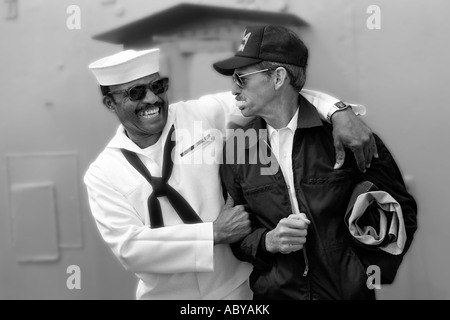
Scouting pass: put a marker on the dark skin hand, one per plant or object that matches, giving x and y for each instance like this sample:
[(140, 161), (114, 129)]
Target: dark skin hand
[(232, 224)]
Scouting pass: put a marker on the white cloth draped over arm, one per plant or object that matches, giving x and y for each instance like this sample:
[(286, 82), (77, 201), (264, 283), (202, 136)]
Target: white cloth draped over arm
[(392, 233)]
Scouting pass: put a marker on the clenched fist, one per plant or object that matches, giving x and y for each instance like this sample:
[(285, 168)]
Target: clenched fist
[(289, 235), (232, 224)]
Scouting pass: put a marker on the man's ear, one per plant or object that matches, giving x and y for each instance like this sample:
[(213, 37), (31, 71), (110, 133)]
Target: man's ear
[(109, 102), (280, 77)]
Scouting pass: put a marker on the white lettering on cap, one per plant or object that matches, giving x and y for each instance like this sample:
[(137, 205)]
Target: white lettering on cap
[(244, 42)]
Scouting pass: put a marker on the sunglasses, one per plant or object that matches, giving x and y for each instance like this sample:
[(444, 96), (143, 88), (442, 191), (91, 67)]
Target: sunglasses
[(138, 92), (238, 78)]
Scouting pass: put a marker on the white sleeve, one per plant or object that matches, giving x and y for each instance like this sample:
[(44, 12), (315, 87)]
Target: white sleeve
[(220, 111), (221, 108), (140, 249), (323, 102)]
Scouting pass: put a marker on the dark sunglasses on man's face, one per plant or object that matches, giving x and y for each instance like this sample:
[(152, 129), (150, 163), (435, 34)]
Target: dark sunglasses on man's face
[(138, 92), (237, 78)]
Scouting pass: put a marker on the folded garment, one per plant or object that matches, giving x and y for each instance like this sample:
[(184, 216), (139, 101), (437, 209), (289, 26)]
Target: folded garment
[(375, 219)]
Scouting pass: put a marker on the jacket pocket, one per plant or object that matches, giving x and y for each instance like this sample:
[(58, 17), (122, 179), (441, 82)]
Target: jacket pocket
[(253, 191), (348, 273), (284, 281), (334, 177)]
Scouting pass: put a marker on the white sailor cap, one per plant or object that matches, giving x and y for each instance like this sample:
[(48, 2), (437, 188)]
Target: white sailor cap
[(125, 66)]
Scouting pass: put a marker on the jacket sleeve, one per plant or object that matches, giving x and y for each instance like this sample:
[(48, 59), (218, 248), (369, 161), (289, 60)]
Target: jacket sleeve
[(386, 175), (251, 248), (219, 110), (140, 249)]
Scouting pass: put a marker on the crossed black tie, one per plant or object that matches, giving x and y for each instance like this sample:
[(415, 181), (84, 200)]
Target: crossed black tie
[(161, 188)]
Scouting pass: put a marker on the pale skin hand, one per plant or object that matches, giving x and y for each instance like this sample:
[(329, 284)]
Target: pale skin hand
[(350, 131), (289, 235), (232, 224)]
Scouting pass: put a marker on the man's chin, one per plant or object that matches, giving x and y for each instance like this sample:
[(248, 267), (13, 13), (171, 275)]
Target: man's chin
[(244, 112)]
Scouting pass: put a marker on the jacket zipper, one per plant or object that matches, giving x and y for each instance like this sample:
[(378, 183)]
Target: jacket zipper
[(305, 272), (305, 257)]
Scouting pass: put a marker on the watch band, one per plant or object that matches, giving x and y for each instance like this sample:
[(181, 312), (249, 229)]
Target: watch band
[(338, 106)]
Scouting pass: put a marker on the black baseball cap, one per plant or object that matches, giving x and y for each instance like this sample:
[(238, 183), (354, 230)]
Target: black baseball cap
[(266, 43)]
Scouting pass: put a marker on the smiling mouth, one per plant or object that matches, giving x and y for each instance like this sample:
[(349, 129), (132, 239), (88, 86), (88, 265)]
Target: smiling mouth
[(149, 112)]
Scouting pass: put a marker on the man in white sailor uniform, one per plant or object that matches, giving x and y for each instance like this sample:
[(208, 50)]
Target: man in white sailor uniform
[(155, 191)]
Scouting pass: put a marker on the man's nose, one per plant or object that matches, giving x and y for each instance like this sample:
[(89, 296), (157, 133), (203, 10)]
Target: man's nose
[(235, 90), (150, 97)]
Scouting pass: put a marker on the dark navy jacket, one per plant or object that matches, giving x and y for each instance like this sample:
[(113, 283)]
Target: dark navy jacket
[(336, 265)]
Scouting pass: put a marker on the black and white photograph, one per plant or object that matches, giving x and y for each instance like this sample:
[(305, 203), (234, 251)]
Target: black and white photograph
[(224, 155)]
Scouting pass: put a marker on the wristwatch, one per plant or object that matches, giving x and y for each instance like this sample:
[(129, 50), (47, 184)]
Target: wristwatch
[(338, 106)]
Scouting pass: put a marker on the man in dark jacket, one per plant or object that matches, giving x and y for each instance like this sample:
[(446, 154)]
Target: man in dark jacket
[(300, 246)]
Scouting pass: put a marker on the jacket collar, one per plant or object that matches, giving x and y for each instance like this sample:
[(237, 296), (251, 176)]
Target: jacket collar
[(308, 117)]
